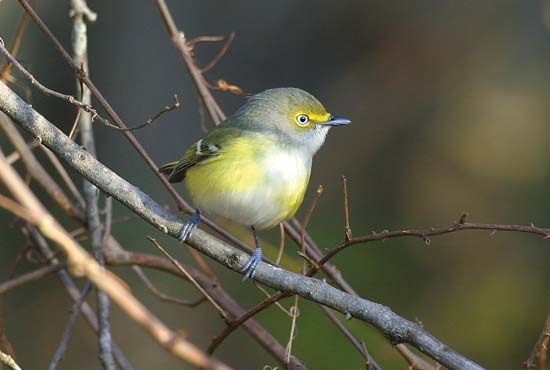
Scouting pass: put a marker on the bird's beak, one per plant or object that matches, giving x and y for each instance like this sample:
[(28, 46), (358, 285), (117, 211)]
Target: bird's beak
[(336, 121)]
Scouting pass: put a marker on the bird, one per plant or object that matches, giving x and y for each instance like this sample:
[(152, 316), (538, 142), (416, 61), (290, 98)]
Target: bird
[(254, 167)]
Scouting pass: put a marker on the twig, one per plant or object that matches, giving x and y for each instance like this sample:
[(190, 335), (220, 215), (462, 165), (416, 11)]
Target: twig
[(64, 175), (165, 109), (397, 328), (223, 85), (29, 276), (233, 325), (307, 218), (108, 223), (189, 277), (69, 327), (74, 127), (425, 234), (220, 54), (414, 361), (281, 244), (15, 156), (14, 207), (360, 346), (5, 72), (83, 105), (78, 11), (369, 365), (139, 271), (295, 313), (179, 40), (538, 354), (35, 169), (8, 361), (268, 295), (347, 230)]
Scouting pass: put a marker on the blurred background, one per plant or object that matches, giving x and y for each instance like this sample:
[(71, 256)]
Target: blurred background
[(449, 103)]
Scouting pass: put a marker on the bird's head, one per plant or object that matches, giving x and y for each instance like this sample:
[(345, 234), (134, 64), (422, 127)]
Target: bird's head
[(294, 115)]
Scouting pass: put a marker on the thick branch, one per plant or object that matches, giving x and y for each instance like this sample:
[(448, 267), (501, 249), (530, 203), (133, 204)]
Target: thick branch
[(392, 325)]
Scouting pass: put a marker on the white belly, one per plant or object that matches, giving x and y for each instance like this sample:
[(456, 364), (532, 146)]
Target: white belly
[(270, 199)]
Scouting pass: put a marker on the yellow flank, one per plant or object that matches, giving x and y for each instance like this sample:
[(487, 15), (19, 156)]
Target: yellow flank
[(252, 181)]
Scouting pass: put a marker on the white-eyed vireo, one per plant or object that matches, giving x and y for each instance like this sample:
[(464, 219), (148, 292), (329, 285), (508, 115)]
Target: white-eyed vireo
[(254, 168)]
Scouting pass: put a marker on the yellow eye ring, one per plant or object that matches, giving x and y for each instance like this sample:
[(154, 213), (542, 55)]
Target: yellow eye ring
[(302, 119)]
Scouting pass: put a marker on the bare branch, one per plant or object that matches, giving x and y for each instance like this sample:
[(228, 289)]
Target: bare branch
[(139, 271), (220, 54), (5, 71), (78, 11), (538, 354), (180, 267), (347, 229), (8, 361), (180, 42), (295, 313), (397, 328), (425, 234), (233, 325), (360, 346), (69, 327), (29, 277)]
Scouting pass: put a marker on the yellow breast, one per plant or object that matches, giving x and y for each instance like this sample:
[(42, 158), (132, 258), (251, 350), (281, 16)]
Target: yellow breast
[(253, 182)]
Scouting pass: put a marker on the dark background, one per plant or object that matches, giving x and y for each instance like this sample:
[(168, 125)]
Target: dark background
[(449, 103)]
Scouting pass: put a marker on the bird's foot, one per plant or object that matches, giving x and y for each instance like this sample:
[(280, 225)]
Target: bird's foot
[(249, 268), (190, 225)]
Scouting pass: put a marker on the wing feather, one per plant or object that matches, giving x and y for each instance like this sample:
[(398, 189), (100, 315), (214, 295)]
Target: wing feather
[(203, 151)]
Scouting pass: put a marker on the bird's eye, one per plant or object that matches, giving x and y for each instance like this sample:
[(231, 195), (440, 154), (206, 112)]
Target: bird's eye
[(302, 119)]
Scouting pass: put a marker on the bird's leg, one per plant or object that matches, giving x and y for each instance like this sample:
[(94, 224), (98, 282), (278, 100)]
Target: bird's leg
[(190, 225), (249, 268)]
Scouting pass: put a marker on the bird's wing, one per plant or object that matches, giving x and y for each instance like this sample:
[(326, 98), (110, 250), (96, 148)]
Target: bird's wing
[(203, 151)]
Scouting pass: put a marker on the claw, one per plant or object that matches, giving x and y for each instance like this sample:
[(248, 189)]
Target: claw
[(190, 226), (249, 268)]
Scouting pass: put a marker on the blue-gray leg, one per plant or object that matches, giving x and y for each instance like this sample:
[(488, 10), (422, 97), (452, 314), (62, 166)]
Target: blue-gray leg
[(249, 268), (190, 225)]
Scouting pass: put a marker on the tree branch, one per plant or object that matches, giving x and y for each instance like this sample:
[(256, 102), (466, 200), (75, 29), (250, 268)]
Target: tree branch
[(425, 234), (538, 354), (392, 325), (29, 277)]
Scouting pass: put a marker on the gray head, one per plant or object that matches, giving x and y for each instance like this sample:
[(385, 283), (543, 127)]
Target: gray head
[(294, 115)]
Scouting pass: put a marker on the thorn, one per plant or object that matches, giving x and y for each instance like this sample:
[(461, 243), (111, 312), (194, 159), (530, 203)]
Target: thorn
[(348, 315), (494, 232), (463, 217)]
